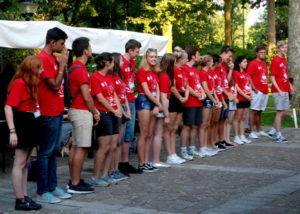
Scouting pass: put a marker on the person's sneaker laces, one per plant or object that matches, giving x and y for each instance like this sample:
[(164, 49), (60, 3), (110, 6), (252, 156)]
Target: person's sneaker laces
[(99, 182), (48, 197), (80, 188), (237, 140), (253, 135), (244, 139), (60, 193), (281, 139)]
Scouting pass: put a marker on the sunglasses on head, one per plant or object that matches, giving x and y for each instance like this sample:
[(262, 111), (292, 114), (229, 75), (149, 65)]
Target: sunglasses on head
[(152, 49)]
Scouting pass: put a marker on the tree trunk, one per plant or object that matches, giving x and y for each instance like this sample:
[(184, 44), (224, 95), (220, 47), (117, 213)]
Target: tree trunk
[(294, 49), (227, 16), (167, 31), (271, 25)]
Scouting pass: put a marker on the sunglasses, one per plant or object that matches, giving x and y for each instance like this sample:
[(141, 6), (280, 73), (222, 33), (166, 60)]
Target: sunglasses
[(152, 49)]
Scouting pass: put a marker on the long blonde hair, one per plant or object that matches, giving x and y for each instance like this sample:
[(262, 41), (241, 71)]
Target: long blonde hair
[(144, 62)]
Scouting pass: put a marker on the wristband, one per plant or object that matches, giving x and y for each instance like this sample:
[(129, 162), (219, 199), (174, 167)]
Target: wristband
[(12, 131)]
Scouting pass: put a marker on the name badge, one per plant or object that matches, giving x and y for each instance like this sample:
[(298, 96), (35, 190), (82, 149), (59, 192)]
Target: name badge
[(264, 77), (37, 113), (131, 85), (154, 94)]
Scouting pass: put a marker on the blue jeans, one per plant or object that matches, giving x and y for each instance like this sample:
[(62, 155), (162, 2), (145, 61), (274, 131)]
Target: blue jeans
[(50, 135), (129, 126)]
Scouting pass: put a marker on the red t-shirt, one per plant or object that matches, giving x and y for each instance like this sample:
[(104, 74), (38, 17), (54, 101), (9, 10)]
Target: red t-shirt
[(181, 80), (192, 74), (120, 88), (106, 86), (217, 84), (223, 73), (78, 77), (205, 76), (164, 84), (128, 72), (51, 103), (243, 81), (259, 73), (150, 77), (279, 70), (18, 97)]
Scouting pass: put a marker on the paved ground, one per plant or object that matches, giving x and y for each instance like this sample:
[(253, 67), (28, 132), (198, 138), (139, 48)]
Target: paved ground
[(259, 178)]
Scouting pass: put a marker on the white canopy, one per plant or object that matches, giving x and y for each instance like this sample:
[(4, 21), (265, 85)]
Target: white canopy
[(32, 34)]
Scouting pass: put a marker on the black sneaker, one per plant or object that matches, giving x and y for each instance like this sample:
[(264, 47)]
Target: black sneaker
[(220, 146), (80, 188), (22, 204), (122, 168), (149, 165), (132, 169), (32, 202), (224, 143), (81, 181)]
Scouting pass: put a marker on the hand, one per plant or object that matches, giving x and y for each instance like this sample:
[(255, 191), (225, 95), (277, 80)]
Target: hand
[(249, 98), (167, 120), (225, 106), (292, 91), (155, 111), (96, 116), (230, 97), (281, 93), (236, 100), (216, 104), (63, 58), (118, 113), (230, 65), (203, 96), (13, 139)]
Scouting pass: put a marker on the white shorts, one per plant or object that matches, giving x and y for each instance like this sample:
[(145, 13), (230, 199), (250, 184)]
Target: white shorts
[(281, 102), (82, 126), (259, 101), (232, 106)]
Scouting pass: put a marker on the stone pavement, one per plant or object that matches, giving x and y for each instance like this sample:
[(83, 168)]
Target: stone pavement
[(260, 178)]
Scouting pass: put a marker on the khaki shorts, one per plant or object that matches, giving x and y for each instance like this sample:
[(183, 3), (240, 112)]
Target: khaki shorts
[(259, 101), (82, 126), (281, 102)]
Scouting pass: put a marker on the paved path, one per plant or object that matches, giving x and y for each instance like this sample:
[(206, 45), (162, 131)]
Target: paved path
[(260, 178)]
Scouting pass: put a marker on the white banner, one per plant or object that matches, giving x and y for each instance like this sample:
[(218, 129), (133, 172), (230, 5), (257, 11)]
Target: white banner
[(32, 34)]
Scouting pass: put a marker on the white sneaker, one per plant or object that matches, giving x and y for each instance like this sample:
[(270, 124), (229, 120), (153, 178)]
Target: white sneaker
[(211, 151), (172, 160), (161, 165), (253, 135), (179, 159), (237, 140), (262, 133), (186, 156), (244, 139), (201, 152)]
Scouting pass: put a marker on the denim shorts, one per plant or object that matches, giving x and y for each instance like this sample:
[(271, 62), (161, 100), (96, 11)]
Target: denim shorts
[(109, 124), (142, 102), (207, 103), (225, 112)]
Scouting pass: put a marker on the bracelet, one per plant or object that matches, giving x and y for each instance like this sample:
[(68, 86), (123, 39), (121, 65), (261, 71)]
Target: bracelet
[(12, 131), (60, 72)]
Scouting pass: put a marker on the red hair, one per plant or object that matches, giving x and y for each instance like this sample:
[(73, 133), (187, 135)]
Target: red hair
[(29, 72)]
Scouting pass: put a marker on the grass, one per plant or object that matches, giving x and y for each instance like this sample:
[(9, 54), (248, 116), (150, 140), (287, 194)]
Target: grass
[(268, 116)]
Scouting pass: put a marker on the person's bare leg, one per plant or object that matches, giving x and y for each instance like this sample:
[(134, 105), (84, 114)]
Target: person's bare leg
[(258, 121), (203, 133), (101, 154), (157, 140), (109, 157), (230, 118), (172, 141), (25, 171), (193, 135), (144, 120), (174, 127), (77, 163), (18, 177), (166, 137), (242, 121), (236, 121), (118, 154), (221, 127), (149, 137), (184, 136)]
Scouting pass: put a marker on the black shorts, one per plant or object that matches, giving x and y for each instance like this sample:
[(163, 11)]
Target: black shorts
[(225, 112), (27, 129), (175, 105), (109, 124), (192, 116), (243, 104)]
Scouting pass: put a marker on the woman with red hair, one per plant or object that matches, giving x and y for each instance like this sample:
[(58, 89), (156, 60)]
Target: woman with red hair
[(21, 111)]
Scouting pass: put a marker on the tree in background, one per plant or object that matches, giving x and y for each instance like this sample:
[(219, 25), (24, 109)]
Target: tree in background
[(294, 49)]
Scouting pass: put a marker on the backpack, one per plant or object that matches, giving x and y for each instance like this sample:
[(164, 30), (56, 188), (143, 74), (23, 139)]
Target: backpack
[(68, 99)]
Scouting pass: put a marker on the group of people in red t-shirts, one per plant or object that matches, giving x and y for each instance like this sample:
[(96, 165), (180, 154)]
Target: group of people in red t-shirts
[(169, 91)]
